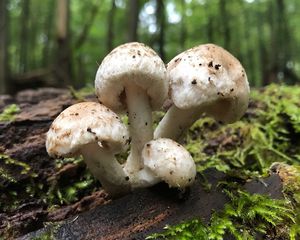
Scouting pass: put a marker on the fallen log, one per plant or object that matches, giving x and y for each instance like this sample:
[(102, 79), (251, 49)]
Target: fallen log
[(147, 211), (94, 216)]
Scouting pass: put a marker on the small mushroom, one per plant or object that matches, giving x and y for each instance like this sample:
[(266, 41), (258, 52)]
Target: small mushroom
[(166, 160), (220, 89), (95, 132), (133, 77)]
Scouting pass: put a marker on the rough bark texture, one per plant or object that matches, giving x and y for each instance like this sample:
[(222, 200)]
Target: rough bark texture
[(3, 47), (147, 211), (93, 216), (133, 20), (63, 62)]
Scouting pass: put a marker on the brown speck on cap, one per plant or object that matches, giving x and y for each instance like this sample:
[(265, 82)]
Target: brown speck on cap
[(210, 64), (194, 81), (217, 66)]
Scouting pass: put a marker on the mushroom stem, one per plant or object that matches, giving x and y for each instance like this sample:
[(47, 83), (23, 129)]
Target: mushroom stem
[(176, 121), (103, 165), (140, 125)]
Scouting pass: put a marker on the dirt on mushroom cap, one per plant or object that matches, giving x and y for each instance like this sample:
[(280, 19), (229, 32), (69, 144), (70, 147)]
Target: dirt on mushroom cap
[(84, 123), (131, 62), (204, 74)]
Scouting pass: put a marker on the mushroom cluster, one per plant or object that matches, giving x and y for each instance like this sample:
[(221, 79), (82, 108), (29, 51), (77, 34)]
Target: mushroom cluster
[(133, 79)]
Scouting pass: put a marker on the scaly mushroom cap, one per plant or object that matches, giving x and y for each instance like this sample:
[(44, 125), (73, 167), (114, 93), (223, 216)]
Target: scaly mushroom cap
[(131, 63), (208, 74), (169, 161), (84, 123)]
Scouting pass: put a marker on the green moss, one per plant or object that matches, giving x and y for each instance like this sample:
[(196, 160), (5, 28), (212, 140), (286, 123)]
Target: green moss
[(7, 176), (22, 168), (268, 133), (49, 234), (66, 192), (82, 93), (9, 113), (244, 217)]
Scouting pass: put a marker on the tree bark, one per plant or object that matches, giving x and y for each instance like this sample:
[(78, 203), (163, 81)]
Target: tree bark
[(110, 27), (160, 23), (3, 47), (86, 28), (135, 215), (225, 31), (182, 25), (133, 20), (48, 30), (24, 36), (63, 65)]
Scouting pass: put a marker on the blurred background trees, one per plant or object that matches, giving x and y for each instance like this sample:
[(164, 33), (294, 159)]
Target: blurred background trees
[(62, 42)]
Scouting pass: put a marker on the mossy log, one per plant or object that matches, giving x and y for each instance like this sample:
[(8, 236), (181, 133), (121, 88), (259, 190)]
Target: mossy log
[(24, 163)]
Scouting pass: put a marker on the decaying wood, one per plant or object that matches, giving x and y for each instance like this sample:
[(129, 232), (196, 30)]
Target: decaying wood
[(137, 215), (95, 217)]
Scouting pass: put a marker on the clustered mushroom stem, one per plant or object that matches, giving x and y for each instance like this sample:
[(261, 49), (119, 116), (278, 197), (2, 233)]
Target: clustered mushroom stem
[(140, 125), (176, 122), (103, 165)]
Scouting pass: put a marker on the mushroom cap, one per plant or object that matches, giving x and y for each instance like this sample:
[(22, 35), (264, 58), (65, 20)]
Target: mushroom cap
[(208, 74), (169, 161), (131, 63), (84, 123)]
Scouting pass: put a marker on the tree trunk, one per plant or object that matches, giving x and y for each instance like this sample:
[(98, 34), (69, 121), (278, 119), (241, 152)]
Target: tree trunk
[(86, 28), (263, 53), (48, 27), (63, 55), (182, 25), (133, 20), (284, 43), (110, 27), (3, 47), (160, 23), (225, 31), (24, 36)]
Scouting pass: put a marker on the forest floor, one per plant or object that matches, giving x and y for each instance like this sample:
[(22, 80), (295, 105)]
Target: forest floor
[(248, 183)]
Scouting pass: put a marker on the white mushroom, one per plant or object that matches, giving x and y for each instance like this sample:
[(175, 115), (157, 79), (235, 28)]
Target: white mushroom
[(168, 161), (133, 77), (96, 132), (207, 79)]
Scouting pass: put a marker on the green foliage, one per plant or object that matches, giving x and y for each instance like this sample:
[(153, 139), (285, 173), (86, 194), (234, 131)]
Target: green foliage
[(56, 191), (268, 133), (252, 30), (49, 234), (82, 92), (9, 113), (61, 192), (6, 162), (244, 217)]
